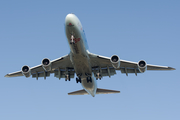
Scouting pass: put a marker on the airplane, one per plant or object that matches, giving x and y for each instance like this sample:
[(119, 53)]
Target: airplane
[(87, 66)]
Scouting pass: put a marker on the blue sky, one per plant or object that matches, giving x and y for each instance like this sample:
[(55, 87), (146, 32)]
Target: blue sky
[(134, 30)]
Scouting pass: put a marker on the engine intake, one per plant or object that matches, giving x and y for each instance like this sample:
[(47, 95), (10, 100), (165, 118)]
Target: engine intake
[(142, 66), (115, 61), (46, 63), (26, 71)]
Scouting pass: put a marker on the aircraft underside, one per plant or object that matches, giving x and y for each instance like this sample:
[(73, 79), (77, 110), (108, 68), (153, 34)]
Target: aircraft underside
[(87, 66)]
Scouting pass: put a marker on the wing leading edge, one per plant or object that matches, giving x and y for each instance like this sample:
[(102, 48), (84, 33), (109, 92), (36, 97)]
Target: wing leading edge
[(98, 62), (58, 64), (125, 66)]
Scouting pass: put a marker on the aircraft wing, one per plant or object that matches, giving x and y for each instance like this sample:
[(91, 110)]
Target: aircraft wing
[(130, 64), (58, 64), (125, 66)]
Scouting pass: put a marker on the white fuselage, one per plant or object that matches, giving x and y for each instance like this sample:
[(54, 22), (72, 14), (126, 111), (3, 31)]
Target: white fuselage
[(79, 54)]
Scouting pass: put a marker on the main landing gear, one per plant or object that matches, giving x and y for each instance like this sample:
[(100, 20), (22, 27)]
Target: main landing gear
[(67, 77), (98, 76), (78, 80), (89, 79)]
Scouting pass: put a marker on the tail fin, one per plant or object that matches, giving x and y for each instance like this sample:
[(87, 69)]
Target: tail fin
[(99, 91)]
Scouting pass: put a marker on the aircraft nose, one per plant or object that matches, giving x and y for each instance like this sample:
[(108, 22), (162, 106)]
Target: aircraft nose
[(70, 19)]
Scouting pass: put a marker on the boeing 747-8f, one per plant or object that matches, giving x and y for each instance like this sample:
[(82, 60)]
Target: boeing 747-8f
[(87, 66)]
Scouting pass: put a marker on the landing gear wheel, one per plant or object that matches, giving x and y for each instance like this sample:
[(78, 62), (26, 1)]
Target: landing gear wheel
[(72, 42), (67, 76), (89, 79), (78, 80), (72, 39)]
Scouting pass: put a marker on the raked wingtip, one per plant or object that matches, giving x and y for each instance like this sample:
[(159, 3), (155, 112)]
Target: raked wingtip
[(6, 75), (171, 68)]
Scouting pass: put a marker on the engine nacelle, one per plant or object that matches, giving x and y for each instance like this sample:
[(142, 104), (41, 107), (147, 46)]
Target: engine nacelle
[(46, 63), (115, 61), (26, 71), (142, 66)]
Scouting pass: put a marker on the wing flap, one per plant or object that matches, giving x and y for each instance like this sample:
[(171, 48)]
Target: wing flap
[(129, 70), (104, 71)]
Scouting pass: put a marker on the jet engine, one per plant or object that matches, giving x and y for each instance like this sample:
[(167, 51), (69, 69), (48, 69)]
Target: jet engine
[(115, 61), (26, 71), (142, 66), (46, 63)]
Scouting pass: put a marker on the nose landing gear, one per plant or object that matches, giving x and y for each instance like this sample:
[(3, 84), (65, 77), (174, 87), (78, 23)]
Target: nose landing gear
[(72, 39)]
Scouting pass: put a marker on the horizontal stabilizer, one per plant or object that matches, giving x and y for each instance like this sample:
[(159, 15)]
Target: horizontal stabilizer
[(99, 91), (79, 92), (106, 91)]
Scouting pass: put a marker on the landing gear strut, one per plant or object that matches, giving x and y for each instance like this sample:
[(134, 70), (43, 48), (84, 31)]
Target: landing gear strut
[(98, 76), (67, 77)]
